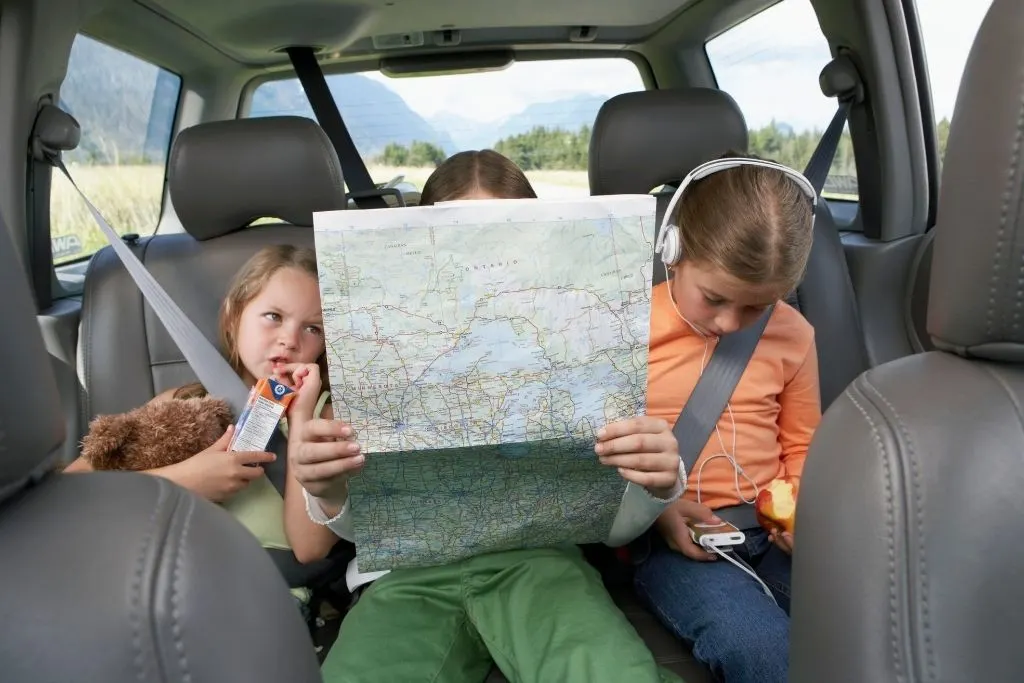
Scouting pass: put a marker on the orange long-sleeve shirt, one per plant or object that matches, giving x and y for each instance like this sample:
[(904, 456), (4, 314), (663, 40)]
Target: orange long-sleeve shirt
[(777, 404)]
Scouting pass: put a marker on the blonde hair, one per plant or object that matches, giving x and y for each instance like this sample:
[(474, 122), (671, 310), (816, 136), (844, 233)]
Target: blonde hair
[(485, 170), (754, 223), (247, 284)]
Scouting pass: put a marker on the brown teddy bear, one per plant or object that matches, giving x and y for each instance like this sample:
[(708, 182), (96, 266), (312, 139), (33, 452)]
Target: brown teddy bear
[(157, 434)]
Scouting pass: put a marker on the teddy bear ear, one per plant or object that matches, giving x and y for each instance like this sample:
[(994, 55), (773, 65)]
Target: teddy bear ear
[(107, 436), (220, 408)]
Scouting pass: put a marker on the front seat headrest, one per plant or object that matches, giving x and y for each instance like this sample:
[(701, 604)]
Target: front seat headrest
[(225, 174), (151, 582), (31, 422), (976, 302), (643, 140)]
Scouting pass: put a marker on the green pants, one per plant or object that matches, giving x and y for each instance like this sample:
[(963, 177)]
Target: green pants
[(542, 615)]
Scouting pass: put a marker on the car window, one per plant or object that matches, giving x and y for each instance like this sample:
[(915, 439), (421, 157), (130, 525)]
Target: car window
[(787, 112), (770, 65), (537, 113), (126, 108), (948, 28)]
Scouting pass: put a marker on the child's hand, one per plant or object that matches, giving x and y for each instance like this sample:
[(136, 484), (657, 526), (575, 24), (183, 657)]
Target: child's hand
[(216, 473), (644, 451), (298, 375), (322, 454), (783, 539), (304, 378), (672, 524)]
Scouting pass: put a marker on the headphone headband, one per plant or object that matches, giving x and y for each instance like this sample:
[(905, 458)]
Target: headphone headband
[(669, 243)]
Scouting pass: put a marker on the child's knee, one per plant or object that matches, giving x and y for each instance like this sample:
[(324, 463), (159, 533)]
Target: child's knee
[(746, 648)]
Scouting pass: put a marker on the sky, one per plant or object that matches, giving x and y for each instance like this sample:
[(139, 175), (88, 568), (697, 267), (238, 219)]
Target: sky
[(769, 64)]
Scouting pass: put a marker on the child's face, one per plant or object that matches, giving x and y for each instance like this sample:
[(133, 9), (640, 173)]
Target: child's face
[(282, 324), (717, 302)]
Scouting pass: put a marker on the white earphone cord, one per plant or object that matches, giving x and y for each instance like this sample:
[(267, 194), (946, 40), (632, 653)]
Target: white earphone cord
[(742, 567), (724, 453)]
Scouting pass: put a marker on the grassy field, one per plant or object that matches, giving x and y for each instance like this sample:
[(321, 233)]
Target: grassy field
[(130, 196)]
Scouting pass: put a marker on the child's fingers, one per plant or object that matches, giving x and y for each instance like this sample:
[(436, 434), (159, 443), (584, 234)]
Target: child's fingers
[(253, 457), (250, 473), (684, 544), (329, 469), (325, 430), (312, 453), (225, 439), (637, 425), (644, 462), (643, 442), (649, 480)]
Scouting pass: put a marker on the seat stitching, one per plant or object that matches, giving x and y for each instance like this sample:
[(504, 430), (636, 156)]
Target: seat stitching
[(891, 528), (918, 501), (179, 562), (1004, 210), (135, 616)]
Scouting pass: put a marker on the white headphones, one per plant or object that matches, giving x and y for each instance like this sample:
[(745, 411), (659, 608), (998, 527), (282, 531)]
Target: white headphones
[(669, 244)]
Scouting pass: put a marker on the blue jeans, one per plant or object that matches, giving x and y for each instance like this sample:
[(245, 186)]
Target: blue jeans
[(722, 612)]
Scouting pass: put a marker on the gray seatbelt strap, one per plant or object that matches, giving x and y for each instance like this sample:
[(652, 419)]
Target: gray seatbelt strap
[(821, 159), (215, 373), (707, 402)]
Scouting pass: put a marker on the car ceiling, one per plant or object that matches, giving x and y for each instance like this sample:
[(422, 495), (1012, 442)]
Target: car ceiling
[(253, 32)]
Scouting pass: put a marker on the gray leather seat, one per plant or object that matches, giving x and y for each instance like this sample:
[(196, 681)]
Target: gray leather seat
[(909, 560), (222, 176), (645, 140), (120, 577)]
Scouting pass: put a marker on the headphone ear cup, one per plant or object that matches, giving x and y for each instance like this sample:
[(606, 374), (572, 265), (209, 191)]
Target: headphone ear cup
[(671, 249)]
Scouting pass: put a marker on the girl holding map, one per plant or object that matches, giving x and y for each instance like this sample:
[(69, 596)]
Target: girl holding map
[(541, 614)]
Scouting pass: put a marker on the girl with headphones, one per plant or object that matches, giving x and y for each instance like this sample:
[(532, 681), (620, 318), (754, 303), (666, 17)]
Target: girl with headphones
[(734, 242)]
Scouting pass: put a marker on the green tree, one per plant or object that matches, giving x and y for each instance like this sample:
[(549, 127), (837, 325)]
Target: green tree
[(394, 154), (418, 154)]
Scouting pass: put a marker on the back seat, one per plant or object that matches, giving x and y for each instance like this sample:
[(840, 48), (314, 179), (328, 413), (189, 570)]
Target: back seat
[(221, 176), (646, 140)]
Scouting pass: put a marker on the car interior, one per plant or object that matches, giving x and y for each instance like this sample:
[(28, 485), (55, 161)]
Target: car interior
[(210, 147)]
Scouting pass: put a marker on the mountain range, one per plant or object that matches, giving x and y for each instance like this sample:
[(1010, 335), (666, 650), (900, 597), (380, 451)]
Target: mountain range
[(126, 106)]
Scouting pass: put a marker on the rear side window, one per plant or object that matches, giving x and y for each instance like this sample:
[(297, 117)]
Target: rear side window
[(770, 65), (538, 113), (126, 108)]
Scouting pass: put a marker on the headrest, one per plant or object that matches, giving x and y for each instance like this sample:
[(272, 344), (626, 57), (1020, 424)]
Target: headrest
[(54, 131), (31, 421), (976, 302), (643, 140), (225, 174)]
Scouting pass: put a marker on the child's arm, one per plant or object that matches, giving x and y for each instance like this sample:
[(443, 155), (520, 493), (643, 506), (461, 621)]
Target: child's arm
[(799, 414), (320, 457), (214, 473), (646, 454)]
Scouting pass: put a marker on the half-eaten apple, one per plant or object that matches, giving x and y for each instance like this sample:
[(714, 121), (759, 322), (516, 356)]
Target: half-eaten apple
[(776, 505)]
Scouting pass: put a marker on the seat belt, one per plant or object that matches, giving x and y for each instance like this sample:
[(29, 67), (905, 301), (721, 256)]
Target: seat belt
[(702, 410), (311, 76), (717, 383), (215, 373), (821, 160)]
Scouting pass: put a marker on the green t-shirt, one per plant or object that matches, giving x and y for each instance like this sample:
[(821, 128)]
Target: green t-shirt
[(260, 508)]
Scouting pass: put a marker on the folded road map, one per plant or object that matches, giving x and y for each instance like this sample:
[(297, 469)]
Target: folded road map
[(476, 348)]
